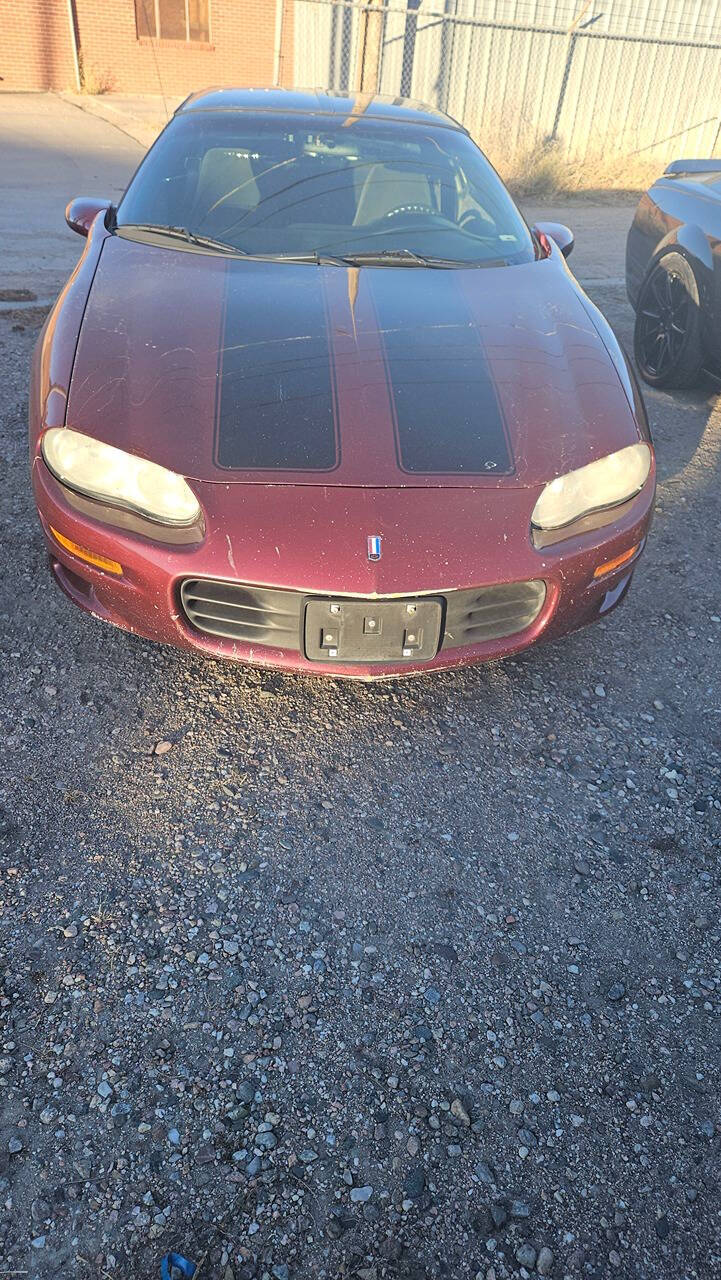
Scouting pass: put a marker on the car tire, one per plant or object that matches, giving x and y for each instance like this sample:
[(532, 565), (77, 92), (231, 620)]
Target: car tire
[(667, 337)]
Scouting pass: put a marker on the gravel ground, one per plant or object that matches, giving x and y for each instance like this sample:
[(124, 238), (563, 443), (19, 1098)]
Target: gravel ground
[(315, 979)]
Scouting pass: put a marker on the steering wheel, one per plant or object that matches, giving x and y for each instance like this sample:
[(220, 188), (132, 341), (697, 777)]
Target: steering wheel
[(403, 209), (472, 221)]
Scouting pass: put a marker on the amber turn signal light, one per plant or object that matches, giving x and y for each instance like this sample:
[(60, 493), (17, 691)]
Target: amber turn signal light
[(610, 565), (100, 562)]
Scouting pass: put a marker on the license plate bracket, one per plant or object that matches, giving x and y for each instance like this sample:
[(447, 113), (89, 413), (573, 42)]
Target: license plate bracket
[(341, 630)]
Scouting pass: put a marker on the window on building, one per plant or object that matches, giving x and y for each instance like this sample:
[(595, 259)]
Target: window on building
[(173, 19)]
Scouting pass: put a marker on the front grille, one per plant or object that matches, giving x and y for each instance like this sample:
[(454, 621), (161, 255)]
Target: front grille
[(267, 616), (488, 613), (253, 615)]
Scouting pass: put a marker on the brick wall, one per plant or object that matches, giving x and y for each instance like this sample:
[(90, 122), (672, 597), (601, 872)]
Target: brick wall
[(37, 52)]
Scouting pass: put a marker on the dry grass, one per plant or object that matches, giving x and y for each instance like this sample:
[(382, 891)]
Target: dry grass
[(25, 317), (93, 80), (542, 172)]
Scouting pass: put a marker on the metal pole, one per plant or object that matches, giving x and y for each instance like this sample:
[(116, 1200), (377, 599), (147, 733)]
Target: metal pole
[(278, 42), (74, 42), (409, 47), (572, 34), (370, 33)]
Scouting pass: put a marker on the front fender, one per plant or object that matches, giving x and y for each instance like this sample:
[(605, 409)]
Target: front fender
[(54, 353), (693, 243), (622, 364), (689, 237)]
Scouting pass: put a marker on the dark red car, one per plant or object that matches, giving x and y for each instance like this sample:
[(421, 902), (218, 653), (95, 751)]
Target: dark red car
[(316, 397)]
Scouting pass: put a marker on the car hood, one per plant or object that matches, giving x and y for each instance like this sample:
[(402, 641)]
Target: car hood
[(267, 372)]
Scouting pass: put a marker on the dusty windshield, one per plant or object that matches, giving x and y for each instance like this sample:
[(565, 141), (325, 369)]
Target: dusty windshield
[(314, 186)]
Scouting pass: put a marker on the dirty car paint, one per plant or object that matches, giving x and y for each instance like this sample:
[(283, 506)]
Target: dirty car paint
[(177, 347)]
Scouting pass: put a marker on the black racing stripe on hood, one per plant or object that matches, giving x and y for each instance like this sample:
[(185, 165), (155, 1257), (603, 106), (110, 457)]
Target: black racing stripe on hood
[(276, 401), (448, 418)]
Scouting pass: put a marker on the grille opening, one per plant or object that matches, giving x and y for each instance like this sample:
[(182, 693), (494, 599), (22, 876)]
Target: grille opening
[(274, 617), (253, 615), (490, 613)]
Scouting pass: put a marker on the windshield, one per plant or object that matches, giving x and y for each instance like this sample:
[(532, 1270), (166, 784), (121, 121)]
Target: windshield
[(305, 187)]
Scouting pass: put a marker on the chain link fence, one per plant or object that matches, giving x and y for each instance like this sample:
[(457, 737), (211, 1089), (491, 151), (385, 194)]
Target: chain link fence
[(605, 89)]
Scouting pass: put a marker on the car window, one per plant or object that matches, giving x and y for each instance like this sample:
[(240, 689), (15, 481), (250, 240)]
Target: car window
[(313, 185), (712, 180)]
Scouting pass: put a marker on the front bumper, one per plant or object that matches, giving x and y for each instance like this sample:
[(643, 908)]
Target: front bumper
[(312, 543)]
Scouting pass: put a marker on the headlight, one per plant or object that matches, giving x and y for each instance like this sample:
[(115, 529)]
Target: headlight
[(604, 483), (118, 478)]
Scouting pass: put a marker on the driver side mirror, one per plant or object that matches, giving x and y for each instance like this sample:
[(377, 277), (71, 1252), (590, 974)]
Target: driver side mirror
[(82, 212), (561, 235)]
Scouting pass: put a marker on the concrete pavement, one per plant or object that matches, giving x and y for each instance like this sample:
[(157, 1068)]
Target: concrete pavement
[(49, 153), (140, 115)]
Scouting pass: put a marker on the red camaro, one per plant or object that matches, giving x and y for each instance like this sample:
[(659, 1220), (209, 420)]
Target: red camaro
[(316, 397)]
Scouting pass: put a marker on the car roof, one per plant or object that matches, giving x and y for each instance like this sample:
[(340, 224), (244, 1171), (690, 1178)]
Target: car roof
[(318, 102)]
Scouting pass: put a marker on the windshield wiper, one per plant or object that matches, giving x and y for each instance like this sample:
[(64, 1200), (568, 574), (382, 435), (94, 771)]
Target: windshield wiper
[(182, 233), (320, 259), (408, 258), (369, 258), (394, 258)]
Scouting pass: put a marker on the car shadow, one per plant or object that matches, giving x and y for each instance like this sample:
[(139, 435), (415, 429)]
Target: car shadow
[(678, 418)]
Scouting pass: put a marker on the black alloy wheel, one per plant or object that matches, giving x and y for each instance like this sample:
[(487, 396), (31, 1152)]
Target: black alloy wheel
[(667, 337)]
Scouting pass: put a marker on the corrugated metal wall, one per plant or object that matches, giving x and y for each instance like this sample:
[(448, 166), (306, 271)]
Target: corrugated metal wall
[(623, 76)]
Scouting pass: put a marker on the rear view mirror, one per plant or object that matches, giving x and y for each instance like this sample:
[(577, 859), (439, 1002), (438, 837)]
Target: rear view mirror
[(561, 235), (82, 212)]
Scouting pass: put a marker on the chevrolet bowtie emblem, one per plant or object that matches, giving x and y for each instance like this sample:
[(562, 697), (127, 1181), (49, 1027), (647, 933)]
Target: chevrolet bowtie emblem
[(374, 547)]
